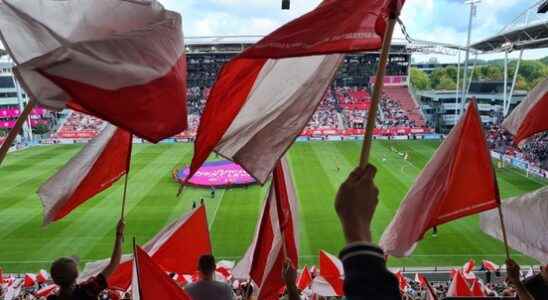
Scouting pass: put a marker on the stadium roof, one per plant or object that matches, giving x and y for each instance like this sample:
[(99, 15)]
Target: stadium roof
[(532, 36)]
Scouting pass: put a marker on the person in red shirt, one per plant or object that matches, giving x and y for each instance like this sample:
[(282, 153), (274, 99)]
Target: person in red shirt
[(64, 272)]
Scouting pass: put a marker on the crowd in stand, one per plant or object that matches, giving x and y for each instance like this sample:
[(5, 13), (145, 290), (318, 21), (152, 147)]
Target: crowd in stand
[(534, 150), (393, 114), (82, 122)]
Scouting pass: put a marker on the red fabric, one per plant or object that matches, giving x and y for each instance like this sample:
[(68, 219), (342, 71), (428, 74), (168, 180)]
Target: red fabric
[(402, 281), (331, 273), (42, 277), (459, 287), (305, 279), (179, 253), (469, 266), (490, 266), (477, 290), (535, 121), (153, 282), (29, 280), (112, 164), (46, 291), (154, 111), (227, 97), (335, 26), (471, 182)]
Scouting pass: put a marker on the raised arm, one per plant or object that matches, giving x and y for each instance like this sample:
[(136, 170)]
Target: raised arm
[(365, 269), (513, 277), (117, 251), (289, 274)]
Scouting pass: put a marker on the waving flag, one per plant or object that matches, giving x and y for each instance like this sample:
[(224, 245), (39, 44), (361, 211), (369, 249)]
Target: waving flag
[(29, 280), (150, 282), (176, 248), (458, 181), (529, 117), (525, 221), (46, 291), (469, 266), (459, 287), (122, 61), (331, 270), (264, 97), (94, 169), (490, 266), (305, 279), (42, 277), (477, 289), (275, 239), (403, 282)]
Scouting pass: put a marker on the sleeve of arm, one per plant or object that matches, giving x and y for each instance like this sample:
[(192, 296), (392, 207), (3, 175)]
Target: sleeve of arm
[(366, 274)]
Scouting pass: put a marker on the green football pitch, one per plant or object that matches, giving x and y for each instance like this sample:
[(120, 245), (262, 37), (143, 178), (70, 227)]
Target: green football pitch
[(25, 246)]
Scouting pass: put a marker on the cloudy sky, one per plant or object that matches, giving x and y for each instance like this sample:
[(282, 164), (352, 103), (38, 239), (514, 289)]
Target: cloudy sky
[(436, 20)]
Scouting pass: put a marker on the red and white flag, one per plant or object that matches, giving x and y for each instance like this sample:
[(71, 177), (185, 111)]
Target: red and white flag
[(525, 221), (94, 169), (459, 287), (42, 277), (264, 97), (275, 239), (403, 282), (122, 61), (176, 248), (330, 282), (150, 282), (529, 117), (458, 181), (431, 293), (46, 291), (477, 289), (29, 280), (469, 266), (305, 279), (490, 266)]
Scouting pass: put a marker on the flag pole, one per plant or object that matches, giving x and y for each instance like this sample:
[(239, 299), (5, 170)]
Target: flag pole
[(124, 195), (16, 129), (504, 237), (379, 82)]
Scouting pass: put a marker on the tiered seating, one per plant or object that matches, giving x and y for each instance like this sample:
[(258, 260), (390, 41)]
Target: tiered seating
[(80, 126), (401, 94)]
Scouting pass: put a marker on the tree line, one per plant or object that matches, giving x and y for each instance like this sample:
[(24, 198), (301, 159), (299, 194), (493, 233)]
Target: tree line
[(530, 73)]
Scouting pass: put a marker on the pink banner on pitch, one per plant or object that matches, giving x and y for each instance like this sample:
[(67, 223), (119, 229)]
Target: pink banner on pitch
[(222, 173)]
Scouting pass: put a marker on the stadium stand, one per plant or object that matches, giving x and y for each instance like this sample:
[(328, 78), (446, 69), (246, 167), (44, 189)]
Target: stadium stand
[(80, 126)]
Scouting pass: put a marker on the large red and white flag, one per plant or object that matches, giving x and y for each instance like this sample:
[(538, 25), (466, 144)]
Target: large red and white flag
[(275, 239), (94, 169), (264, 97), (525, 221), (529, 117), (176, 248), (459, 287), (330, 282), (458, 181), (150, 282), (122, 61)]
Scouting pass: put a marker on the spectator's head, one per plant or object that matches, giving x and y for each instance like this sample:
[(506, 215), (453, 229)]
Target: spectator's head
[(206, 266), (64, 271)]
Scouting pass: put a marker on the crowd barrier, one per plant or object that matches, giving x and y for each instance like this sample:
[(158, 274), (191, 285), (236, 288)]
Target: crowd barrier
[(521, 164)]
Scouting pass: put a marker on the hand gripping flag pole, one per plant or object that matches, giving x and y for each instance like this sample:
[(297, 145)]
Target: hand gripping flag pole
[(15, 130), (379, 82)]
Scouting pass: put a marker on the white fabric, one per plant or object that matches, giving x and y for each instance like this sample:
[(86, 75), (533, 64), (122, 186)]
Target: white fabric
[(85, 39), (59, 188), (321, 287), (284, 96), (526, 222), (513, 122), (135, 288), (13, 290)]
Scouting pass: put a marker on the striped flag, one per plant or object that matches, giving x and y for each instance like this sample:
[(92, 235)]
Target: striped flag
[(529, 117), (176, 248), (305, 279), (122, 61), (330, 282), (457, 182), (275, 239), (94, 169), (490, 266), (264, 97)]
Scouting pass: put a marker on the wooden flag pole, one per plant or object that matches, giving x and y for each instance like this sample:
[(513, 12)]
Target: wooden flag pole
[(504, 237), (124, 197), (15, 130), (379, 82)]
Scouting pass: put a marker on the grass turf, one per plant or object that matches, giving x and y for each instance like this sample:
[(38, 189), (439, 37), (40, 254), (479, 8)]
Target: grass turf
[(88, 232)]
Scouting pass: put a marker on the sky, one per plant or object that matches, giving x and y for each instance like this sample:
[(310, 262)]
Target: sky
[(432, 20)]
